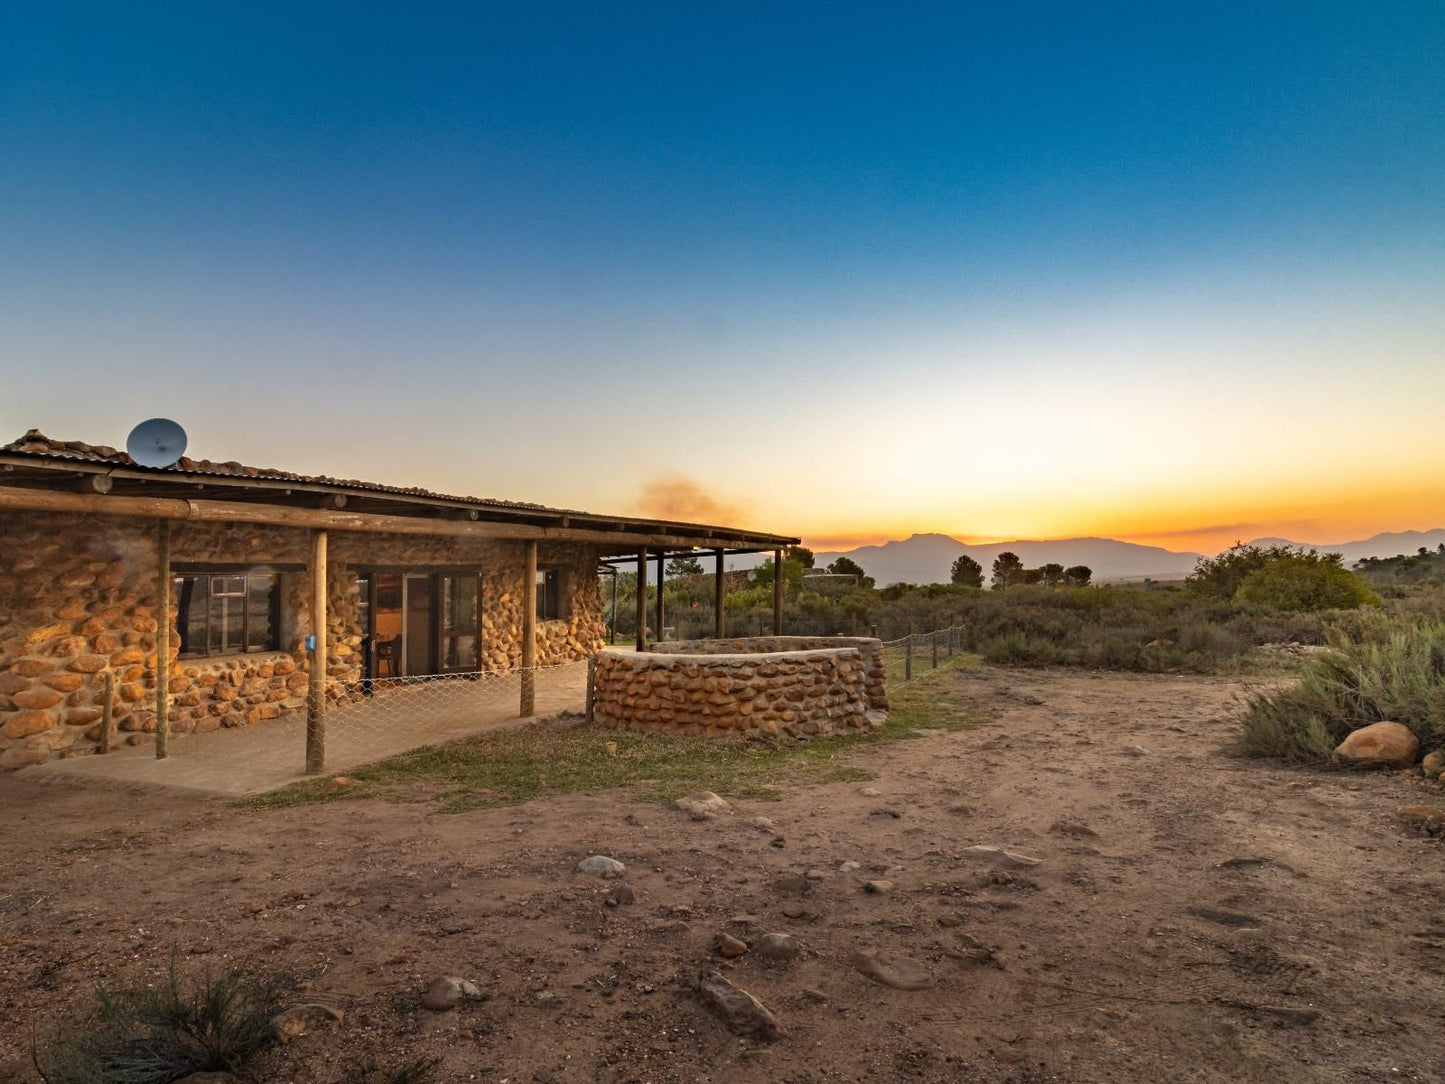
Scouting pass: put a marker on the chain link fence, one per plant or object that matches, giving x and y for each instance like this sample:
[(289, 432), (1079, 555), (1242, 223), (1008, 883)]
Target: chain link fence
[(378, 717)]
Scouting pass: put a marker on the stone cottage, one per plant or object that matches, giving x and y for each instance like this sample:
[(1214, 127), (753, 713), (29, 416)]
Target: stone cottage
[(201, 593)]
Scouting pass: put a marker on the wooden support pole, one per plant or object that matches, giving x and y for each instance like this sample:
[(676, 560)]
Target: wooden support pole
[(529, 630), (777, 592), (163, 638), (316, 683), (719, 587), (612, 632), (908, 655), (660, 581), (107, 713), (588, 713), (642, 599)]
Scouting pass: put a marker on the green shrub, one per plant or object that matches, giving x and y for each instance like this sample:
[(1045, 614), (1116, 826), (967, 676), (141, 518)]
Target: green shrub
[(159, 1034), (1388, 670), (1305, 582)]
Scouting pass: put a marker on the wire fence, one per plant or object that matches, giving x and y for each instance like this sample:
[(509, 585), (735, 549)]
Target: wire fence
[(698, 623), (918, 653), (376, 717)]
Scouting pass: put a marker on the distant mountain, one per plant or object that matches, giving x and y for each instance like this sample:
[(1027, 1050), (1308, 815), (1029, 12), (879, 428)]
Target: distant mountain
[(928, 558), (1385, 544)]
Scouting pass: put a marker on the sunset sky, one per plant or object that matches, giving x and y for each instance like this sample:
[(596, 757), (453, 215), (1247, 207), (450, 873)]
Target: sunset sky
[(1169, 273)]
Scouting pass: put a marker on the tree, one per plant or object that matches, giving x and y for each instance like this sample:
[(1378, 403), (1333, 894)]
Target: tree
[(1078, 575), (1220, 577), (966, 572), (685, 565), (846, 566), (801, 554), (1306, 582), (1051, 574), (1007, 571)]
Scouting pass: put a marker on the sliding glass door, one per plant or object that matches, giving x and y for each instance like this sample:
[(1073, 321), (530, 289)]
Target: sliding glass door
[(421, 622)]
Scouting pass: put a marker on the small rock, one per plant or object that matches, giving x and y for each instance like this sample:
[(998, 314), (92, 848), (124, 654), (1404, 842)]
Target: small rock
[(794, 910), (764, 824), (624, 894), (256, 907), (949, 921), (1428, 820), (1433, 763), (1136, 751), (448, 992), (600, 865), (340, 782), (1379, 745), (792, 884), (778, 947), (878, 888), (730, 947), (779, 842), (702, 804), (899, 972), (998, 854), (743, 1014), (1072, 829), (815, 875), (871, 792), (299, 1019), (849, 867)]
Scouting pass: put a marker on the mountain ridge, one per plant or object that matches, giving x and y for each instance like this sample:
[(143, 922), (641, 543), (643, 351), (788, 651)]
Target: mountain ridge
[(927, 557)]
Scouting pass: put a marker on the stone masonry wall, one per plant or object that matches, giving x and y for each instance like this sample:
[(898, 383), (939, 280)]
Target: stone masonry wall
[(78, 600), (871, 648), (799, 694)]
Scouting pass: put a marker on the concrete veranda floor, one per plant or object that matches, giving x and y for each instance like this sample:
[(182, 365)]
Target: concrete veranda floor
[(270, 755)]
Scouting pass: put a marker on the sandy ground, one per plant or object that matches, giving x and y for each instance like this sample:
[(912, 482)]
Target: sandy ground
[(1194, 917)]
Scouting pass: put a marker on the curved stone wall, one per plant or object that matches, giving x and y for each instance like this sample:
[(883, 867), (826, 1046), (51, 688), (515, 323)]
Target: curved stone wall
[(871, 649), (707, 689)]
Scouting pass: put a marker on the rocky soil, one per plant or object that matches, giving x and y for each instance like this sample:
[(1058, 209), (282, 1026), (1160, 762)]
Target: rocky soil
[(1086, 887)]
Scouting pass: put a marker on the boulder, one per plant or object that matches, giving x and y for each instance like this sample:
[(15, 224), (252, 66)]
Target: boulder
[(448, 992), (1379, 745), (299, 1019), (743, 1014), (702, 804), (898, 972), (1434, 763), (599, 865)]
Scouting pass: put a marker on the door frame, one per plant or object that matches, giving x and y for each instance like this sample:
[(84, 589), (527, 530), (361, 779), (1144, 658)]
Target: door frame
[(434, 574)]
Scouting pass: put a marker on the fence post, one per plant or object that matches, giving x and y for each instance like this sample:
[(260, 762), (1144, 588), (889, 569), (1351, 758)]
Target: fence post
[(908, 655), (950, 636), (163, 637), (316, 674), (107, 710), (528, 704), (591, 686), (933, 642), (873, 631)]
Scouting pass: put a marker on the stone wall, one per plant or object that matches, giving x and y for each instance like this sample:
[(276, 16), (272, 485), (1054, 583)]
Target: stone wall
[(871, 648), (800, 694), (78, 601)]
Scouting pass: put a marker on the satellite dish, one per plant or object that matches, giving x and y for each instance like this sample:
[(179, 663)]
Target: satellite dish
[(156, 443)]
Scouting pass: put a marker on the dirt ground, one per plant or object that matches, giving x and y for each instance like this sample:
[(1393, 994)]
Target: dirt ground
[(1193, 917)]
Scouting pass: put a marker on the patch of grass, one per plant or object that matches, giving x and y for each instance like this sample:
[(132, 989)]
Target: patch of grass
[(506, 767), (159, 1034), (1385, 671)]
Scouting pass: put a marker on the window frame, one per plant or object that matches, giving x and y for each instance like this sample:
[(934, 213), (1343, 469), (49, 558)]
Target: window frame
[(549, 587), (204, 574)]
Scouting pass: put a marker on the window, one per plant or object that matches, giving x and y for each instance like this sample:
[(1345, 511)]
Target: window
[(226, 613), (549, 594)]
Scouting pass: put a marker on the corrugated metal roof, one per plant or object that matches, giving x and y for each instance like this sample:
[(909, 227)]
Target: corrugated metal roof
[(38, 444)]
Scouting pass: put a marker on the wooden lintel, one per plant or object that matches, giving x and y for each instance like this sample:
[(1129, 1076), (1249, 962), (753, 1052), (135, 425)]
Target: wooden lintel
[(176, 508)]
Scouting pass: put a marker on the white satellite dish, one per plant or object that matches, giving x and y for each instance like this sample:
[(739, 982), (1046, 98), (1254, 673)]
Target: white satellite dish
[(156, 443)]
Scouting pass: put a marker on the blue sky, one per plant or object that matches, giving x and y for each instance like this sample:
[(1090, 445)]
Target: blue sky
[(999, 270)]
